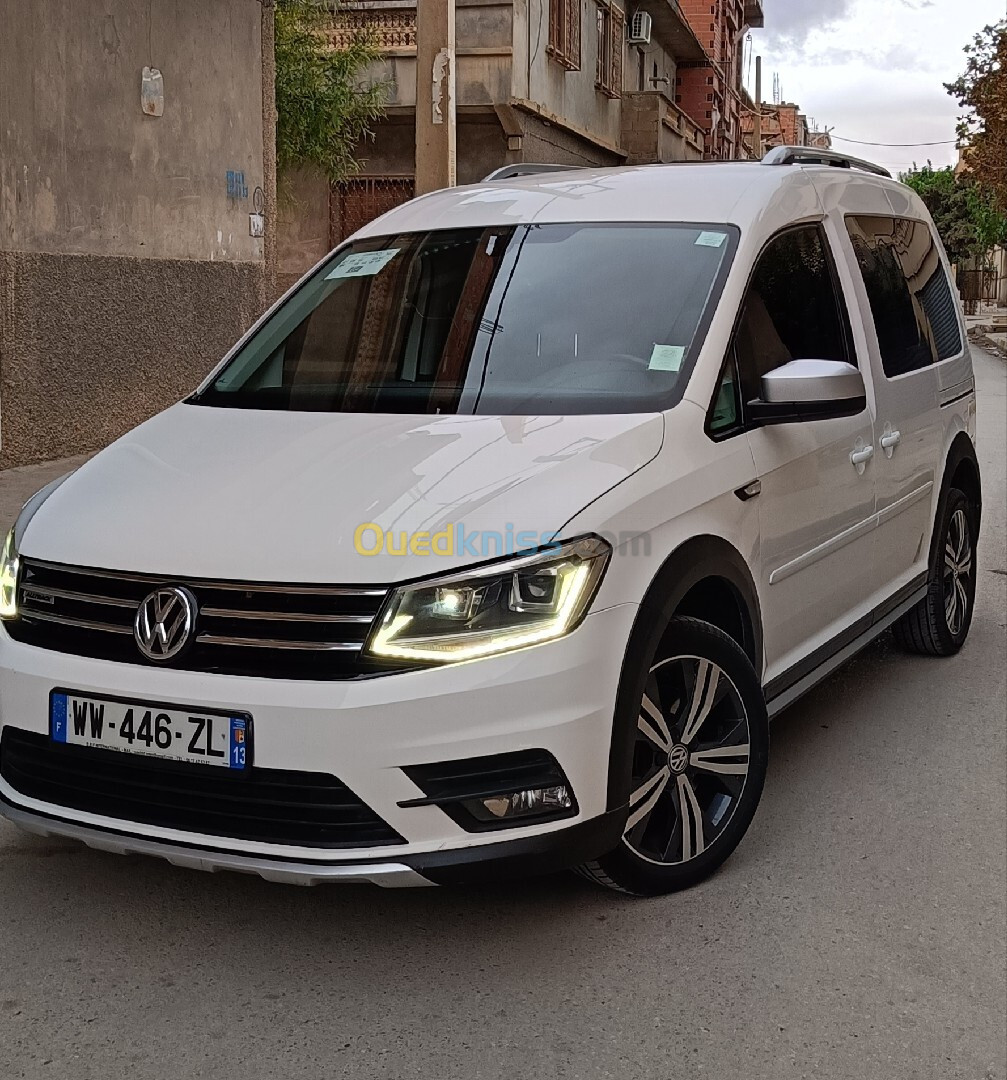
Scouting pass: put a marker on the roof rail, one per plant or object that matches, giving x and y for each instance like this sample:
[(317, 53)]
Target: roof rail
[(526, 168), (812, 155)]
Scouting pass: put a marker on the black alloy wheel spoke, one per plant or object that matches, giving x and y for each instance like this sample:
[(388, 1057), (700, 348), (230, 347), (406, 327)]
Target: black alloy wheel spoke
[(957, 571), (690, 762)]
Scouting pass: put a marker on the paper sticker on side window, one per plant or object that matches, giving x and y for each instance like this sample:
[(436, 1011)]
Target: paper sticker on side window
[(362, 264)]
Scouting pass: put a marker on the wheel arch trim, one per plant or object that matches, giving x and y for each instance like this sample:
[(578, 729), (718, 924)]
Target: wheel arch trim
[(694, 561), (960, 452)]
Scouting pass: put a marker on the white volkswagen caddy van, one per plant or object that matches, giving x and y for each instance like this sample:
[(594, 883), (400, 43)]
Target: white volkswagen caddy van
[(491, 548)]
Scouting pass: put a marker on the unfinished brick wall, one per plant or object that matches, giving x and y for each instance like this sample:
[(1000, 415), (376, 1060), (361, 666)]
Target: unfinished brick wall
[(788, 124), (703, 90)]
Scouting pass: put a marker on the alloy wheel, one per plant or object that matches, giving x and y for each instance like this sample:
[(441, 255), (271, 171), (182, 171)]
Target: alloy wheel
[(690, 761), (957, 570)]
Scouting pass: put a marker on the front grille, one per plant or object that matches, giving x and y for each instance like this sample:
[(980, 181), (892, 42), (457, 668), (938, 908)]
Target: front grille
[(274, 631), (277, 806)]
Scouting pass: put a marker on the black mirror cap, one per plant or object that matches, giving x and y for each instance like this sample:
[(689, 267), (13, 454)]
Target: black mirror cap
[(765, 413)]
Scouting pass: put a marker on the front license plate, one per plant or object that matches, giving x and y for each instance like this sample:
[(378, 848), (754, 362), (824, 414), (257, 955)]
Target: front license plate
[(194, 735)]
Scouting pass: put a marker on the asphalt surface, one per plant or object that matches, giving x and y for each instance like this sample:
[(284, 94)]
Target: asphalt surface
[(858, 932)]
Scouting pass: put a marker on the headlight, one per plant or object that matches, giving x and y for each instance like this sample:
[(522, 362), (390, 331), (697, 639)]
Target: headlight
[(492, 609), (8, 579)]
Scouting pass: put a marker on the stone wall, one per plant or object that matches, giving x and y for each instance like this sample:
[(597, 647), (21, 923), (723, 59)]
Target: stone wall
[(92, 345), (83, 169)]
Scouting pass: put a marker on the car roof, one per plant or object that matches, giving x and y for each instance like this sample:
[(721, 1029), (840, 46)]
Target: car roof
[(738, 193)]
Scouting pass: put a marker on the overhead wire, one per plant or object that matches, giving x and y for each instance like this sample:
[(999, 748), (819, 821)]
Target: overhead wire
[(903, 145)]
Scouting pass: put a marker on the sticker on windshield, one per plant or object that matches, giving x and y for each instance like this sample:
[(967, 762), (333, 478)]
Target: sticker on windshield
[(710, 239), (667, 358), (363, 264)]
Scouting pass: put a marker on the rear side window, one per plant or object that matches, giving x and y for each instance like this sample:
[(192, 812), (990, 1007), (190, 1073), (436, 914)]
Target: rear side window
[(942, 314), (909, 292)]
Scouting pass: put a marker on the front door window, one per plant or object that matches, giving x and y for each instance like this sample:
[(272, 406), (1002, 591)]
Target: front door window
[(793, 310)]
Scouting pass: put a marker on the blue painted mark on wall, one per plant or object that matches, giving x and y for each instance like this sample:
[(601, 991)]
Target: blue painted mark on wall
[(236, 186)]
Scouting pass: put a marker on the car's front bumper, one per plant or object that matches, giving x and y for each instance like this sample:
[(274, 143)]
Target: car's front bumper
[(558, 697), (570, 845)]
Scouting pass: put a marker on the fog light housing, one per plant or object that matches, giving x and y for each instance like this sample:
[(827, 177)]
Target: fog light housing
[(532, 802), (499, 791)]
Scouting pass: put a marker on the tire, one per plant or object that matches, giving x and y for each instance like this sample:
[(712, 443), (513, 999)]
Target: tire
[(698, 764), (939, 624)]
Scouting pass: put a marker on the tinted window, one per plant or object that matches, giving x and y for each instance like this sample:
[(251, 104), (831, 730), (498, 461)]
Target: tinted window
[(942, 314), (793, 310), (509, 320), (910, 296)]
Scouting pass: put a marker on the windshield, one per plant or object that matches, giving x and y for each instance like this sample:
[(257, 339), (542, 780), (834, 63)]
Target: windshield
[(532, 319)]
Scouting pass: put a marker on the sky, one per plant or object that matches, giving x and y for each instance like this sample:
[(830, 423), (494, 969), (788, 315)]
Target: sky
[(872, 69)]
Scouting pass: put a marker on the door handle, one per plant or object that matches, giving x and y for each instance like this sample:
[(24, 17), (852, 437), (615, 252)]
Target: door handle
[(859, 458), (749, 490), (889, 441)]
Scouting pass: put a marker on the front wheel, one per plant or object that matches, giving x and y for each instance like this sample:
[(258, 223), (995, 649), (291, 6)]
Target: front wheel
[(698, 764)]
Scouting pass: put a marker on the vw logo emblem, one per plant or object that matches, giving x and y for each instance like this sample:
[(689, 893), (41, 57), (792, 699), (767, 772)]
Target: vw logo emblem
[(678, 758), (164, 622)]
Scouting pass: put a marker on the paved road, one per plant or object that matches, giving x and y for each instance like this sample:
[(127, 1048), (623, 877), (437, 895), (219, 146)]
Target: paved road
[(859, 931)]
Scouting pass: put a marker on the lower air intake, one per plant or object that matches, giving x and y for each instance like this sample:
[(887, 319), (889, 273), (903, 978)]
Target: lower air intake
[(276, 806)]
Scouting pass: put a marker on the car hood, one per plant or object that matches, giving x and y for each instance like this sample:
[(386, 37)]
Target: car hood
[(278, 497)]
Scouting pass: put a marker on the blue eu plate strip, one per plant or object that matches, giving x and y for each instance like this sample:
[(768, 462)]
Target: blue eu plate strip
[(57, 717), (239, 742)]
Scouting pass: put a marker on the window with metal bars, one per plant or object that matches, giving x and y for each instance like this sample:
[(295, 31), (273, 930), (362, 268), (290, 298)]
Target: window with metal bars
[(564, 33), (357, 202), (611, 39)]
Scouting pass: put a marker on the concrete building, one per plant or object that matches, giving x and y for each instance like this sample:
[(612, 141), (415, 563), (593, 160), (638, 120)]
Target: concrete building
[(127, 264), (537, 80)]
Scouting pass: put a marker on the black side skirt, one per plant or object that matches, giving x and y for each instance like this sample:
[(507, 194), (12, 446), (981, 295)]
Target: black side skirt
[(798, 680)]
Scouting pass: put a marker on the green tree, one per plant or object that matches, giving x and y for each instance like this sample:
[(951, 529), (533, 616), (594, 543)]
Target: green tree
[(963, 211), (324, 106), (982, 89)]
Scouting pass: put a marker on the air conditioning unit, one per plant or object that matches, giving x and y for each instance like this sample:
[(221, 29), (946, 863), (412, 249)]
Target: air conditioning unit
[(640, 27)]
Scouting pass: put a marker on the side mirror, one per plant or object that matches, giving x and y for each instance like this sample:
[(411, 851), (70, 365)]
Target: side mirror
[(804, 390)]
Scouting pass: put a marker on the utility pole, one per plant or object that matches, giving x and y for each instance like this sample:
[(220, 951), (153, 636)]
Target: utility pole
[(435, 95), (268, 209), (757, 128)]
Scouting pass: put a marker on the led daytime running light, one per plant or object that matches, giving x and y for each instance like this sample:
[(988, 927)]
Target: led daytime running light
[(9, 564), (416, 631)]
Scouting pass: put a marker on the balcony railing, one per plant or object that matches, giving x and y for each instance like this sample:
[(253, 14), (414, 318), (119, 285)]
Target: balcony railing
[(394, 29), (682, 124), (656, 129), (753, 13)]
